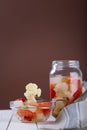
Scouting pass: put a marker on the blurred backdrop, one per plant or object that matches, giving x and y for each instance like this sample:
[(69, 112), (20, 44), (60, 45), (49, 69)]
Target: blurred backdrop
[(33, 33)]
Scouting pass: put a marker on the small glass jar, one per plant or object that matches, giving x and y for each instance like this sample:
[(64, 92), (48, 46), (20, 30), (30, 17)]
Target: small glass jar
[(65, 82)]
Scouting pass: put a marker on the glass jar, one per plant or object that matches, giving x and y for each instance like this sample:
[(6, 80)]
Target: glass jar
[(65, 82)]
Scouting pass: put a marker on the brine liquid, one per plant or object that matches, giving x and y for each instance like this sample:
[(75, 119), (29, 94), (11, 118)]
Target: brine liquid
[(65, 87)]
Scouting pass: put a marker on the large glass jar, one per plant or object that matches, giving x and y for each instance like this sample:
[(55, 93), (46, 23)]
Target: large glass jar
[(65, 82)]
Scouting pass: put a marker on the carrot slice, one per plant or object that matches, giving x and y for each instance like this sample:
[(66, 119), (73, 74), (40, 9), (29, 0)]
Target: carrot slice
[(42, 108), (79, 90), (44, 104)]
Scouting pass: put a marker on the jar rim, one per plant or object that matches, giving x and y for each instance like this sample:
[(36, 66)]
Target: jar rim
[(66, 62)]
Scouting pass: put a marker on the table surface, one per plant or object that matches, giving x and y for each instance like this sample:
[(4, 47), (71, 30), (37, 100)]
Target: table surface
[(8, 121)]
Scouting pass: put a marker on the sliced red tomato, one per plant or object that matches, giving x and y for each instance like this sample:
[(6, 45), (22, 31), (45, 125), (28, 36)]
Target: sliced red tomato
[(21, 99), (46, 111), (30, 118), (52, 92), (27, 114)]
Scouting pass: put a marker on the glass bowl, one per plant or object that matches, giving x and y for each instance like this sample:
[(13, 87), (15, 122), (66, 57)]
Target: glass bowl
[(37, 112)]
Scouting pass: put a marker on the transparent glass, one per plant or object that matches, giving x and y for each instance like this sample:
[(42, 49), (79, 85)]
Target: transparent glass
[(65, 82)]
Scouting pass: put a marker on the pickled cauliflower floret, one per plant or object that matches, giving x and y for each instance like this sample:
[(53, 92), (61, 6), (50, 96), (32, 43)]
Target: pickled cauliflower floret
[(61, 90), (32, 91)]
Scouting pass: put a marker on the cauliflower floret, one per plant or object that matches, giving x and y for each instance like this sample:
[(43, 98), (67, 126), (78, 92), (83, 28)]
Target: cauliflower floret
[(32, 91), (61, 90), (61, 86), (31, 86), (38, 92)]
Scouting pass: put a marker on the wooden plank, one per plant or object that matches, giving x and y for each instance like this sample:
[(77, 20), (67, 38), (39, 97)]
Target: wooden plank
[(15, 124), (50, 120), (5, 116)]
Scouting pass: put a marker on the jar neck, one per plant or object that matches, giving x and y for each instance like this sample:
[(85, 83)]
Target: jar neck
[(59, 64)]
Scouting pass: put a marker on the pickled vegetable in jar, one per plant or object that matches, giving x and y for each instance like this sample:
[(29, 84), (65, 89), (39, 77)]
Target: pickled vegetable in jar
[(65, 82)]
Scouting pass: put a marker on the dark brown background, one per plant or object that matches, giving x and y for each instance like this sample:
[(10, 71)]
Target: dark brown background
[(32, 34)]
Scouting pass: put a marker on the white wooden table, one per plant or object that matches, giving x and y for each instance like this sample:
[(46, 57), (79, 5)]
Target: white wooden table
[(8, 121)]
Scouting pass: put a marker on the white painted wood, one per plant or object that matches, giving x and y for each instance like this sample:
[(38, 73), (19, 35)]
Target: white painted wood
[(22, 126), (5, 116), (15, 124), (9, 122)]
